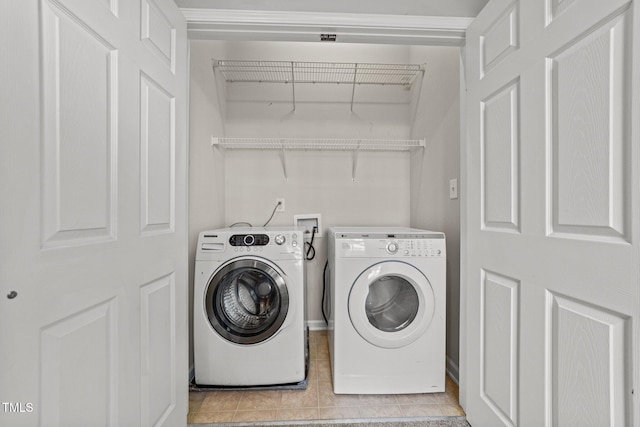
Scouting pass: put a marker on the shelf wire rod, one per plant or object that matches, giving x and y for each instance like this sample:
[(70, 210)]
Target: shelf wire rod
[(353, 89)]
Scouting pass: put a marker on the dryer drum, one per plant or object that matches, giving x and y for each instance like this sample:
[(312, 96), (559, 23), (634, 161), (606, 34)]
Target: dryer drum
[(392, 303), (247, 301)]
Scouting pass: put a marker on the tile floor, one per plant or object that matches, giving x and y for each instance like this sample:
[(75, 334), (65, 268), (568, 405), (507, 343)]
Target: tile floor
[(318, 401)]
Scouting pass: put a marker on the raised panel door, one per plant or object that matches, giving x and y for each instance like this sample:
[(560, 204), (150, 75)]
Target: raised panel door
[(551, 229), (93, 244)]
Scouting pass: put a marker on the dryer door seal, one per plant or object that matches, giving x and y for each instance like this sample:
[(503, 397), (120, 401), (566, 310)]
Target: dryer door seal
[(246, 301), (391, 304)]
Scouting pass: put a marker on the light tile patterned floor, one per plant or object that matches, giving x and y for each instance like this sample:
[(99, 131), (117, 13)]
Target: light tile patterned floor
[(318, 401)]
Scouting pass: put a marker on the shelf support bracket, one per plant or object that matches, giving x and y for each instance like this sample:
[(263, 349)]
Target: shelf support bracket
[(354, 162), (293, 87), (417, 92), (215, 143), (353, 89), (283, 159)]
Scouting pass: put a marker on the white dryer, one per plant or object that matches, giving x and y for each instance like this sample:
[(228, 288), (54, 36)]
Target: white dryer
[(249, 307), (387, 310)]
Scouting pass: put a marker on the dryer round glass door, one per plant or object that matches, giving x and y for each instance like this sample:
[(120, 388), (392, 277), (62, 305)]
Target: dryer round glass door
[(246, 301), (391, 304)]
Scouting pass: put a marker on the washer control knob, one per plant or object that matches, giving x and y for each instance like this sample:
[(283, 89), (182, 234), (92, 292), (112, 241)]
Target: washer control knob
[(392, 247), (280, 239), (249, 240)]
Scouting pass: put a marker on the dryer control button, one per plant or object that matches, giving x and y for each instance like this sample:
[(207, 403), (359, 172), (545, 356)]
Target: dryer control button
[(280, 239), (392, 247)]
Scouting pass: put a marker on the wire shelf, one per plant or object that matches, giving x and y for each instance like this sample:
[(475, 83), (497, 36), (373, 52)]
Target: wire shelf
[(318, 72), (283, 145), (318, 144)]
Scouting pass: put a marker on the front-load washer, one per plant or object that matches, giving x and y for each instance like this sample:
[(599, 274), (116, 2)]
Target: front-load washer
[(249, 307), (387, 310)]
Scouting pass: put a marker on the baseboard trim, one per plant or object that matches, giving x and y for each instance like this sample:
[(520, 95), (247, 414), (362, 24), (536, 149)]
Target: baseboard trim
[(316, 325), (452, 370)]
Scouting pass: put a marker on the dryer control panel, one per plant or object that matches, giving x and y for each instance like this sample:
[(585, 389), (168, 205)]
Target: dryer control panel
[(414, 247), (391, 246)]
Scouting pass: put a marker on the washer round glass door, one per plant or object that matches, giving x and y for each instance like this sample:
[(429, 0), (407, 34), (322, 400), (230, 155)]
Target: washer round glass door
[(391, 304), (246, 301)]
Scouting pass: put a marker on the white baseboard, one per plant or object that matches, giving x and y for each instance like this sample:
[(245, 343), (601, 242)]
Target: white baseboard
[(316, 325), (452, 370)]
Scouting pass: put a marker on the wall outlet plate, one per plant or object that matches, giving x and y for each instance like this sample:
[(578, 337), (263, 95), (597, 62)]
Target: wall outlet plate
[(280, 208), (308, 221)]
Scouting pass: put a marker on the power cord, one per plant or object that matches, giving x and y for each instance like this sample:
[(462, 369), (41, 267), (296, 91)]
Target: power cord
[(272, 213), (238, 224), (324, 291), (311, 251)]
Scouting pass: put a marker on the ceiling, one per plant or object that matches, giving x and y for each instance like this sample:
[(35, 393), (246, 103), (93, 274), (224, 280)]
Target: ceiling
[(454, 8)]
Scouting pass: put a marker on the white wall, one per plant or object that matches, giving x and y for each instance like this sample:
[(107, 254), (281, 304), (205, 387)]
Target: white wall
[(437, 119), (206, 168)]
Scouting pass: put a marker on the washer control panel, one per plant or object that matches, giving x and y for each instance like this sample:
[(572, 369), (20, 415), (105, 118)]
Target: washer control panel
[(258, 241), (249, 240), (277, 243)]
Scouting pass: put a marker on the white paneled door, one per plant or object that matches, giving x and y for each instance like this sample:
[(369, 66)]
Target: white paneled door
[(93, 252), (552, 259)]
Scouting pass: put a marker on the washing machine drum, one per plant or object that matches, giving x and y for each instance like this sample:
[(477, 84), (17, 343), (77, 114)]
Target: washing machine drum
[(246, 301), (391, 304)]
